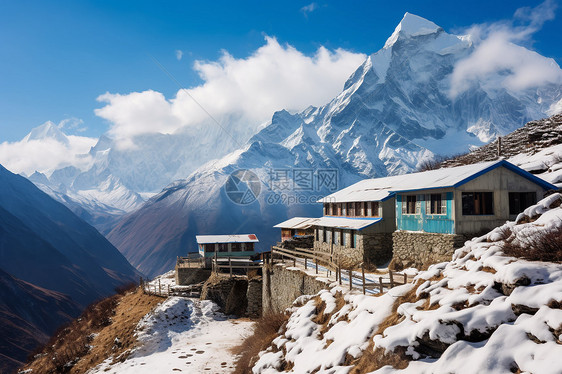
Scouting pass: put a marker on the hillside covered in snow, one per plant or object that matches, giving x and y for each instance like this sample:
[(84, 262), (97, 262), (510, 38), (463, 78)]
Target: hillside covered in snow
[(484, 311)]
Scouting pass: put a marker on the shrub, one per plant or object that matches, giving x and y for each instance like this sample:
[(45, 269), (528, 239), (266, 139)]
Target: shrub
[(545, 246)]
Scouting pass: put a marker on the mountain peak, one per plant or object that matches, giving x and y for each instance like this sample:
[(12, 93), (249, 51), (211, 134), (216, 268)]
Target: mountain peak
[(411, 25), (48, 130)]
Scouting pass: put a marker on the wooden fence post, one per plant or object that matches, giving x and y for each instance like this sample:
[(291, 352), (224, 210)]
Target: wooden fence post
[(294, 261), (391, 278), (316, 262), (339, 271), (405, 278), (380, 284), (363, 276), (350, 280), (159, 287), (230, 266), (337, 274), (305, 263)]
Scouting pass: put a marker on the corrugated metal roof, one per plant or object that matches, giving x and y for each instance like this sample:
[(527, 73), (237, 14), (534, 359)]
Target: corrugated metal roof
[(346, 223), (241, 238), (380, 189), (297, 223)]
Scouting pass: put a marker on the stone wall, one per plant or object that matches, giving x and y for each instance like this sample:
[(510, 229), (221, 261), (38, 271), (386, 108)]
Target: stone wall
[(377, 248), (254, 297), (187, 276), (234, 295), (228, 293), (282, 285), (371, 248), (419, 249)]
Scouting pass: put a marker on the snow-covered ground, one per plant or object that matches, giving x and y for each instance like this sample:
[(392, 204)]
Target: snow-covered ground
[(182, 335), (482, 312), (548, 162)]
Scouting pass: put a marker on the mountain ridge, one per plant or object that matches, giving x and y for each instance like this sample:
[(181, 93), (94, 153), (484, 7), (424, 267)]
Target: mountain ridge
[(395, 112)]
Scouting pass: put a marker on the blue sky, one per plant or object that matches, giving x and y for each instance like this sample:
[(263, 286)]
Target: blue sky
[(57, 57)]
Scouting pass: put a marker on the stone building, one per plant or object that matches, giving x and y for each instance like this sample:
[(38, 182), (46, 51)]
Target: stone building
[(420, 218), (438, 210), (224, 246), (296, 227)]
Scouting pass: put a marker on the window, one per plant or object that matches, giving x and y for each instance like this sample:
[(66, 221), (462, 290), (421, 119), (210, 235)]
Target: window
[(328, 236), (223, 247), (345, 238), (359, 209), (249, 247), (209, 247), (337, 237), (236, 247), (519, 201), (339, 209), (353, 235), (324, 235), (350, 209), (409, 204), (374, 209), (436, 203), (477, 203), (343, 209)]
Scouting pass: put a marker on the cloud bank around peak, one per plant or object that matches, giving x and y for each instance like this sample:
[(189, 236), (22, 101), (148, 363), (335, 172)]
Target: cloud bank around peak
[(500, 58), (235, 91), (51, 151)]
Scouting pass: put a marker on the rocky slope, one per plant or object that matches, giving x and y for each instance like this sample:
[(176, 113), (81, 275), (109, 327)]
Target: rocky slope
[(529, 139), (28, 316)]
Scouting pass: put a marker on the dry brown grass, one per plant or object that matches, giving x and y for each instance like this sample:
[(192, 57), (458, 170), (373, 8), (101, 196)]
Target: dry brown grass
[(323, 318), (544, 247), (114, 317), (488, 269), (375, 358), (428, 306), (265, 330)]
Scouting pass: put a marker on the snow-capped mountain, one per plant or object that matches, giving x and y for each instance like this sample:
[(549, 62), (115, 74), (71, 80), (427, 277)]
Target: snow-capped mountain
[(44, 243), (394, 112), (100, 200)]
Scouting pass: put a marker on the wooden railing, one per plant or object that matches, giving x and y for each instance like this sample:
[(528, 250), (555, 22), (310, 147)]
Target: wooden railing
[(158, 289), (190, 261), (229, 264), (331, 264)]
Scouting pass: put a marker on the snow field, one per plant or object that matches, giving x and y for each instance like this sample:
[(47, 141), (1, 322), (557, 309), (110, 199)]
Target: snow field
[(182, 335)]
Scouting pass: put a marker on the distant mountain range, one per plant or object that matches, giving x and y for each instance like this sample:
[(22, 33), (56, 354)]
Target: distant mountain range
[(52, 264), (394, 112)]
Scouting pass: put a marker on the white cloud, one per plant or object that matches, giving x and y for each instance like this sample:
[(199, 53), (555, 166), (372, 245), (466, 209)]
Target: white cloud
[(307, 9), (47, 153), (73, 124), (555, 108), (240, 93), (179, 54), (498, 57)]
